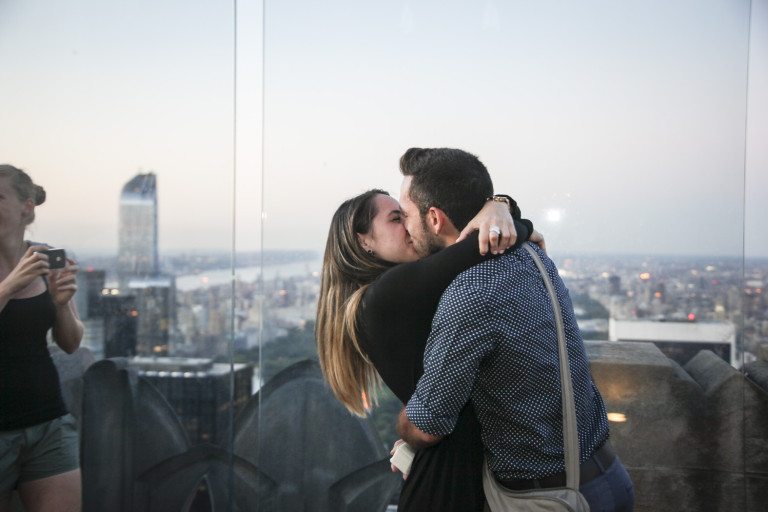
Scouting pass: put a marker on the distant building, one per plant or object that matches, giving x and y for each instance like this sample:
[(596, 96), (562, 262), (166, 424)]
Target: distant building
[(88, 297), (89, 308), (680, 341), (137, 240), (138, 268), (109, 319), (93, 336), (156, 313), (614, 285), (120, 325), (199, 392)]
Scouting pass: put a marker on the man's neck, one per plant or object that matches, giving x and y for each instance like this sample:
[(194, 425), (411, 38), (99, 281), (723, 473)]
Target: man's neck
[(449, 235)]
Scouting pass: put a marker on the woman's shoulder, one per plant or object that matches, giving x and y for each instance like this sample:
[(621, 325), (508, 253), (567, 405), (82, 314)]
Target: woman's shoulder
[(389, 292), (392, 282)]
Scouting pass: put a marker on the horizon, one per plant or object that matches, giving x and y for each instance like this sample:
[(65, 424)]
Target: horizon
[(316, 254)]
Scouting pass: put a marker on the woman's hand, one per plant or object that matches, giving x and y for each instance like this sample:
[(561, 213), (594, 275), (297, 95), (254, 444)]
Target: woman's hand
[(31, 265), (68, 329), (538, 239), (497, 229), (392, 452), (63, 283)]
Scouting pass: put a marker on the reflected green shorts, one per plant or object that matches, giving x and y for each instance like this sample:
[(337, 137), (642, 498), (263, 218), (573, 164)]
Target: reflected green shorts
[(44, 450)]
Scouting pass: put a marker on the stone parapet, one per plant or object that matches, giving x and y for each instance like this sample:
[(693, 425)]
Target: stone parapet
[(694, 438), (293, 444)]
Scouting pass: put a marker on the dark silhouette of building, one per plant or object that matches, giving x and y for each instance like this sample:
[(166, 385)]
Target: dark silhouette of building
[(88, 298), (155, 299), (198, 391), (614, 285), (110, 319), (120, 325)]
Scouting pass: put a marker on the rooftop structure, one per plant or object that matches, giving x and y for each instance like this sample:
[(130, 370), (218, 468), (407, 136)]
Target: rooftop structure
[(198, 390), (680, 341)]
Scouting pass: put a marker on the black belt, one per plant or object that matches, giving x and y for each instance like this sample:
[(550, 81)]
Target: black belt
[(587, 471)]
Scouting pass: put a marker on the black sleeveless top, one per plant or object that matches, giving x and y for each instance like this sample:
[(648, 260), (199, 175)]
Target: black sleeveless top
[(30, 392)]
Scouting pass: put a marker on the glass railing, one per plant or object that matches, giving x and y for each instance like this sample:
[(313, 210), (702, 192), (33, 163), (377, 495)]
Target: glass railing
[(193, 156)]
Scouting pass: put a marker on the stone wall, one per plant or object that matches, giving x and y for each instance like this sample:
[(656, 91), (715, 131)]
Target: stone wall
[(695, 437)]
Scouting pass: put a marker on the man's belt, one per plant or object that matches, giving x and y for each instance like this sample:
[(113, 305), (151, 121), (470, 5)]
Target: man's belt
[(589, 470)]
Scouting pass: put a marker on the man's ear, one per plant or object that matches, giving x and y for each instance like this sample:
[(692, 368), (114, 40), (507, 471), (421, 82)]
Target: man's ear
[(437, 220)]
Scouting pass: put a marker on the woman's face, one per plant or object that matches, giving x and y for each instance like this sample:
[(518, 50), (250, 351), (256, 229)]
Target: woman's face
[(388, 238), (13, 211)]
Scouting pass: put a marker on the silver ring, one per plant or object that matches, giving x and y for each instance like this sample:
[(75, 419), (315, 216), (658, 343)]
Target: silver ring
[(496, 229)]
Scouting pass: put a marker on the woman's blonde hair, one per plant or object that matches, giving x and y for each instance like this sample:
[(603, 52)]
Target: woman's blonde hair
[(347, 272)]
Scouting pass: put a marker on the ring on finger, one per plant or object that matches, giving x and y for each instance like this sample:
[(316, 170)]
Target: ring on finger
[(495, 229)]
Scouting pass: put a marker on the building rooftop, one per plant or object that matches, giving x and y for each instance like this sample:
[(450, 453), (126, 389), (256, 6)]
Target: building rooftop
[(649, 330)]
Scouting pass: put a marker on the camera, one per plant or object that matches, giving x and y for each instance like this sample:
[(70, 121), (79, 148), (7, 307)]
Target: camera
[(57, 258)]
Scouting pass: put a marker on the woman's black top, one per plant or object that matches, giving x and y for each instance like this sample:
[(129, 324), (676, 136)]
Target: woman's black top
[(30, 392), (396, 319)]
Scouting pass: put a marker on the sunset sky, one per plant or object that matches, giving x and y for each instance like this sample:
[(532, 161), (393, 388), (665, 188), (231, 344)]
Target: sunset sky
[(619, 127)]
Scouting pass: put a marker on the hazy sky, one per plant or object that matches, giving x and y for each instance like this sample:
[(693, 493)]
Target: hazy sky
[(629, 121)]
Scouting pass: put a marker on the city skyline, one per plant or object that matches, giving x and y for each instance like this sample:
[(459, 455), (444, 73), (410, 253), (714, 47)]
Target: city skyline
[(618, 128)]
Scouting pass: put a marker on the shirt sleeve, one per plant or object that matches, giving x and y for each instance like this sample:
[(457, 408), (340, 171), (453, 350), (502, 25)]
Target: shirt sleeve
[(461, 337)]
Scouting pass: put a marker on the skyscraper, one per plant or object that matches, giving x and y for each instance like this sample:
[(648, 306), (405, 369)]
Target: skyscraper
[(155, 299), (138, 269), (120, 325), (137, 247)]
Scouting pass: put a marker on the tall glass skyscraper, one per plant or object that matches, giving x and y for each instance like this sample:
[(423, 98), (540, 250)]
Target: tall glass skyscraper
[(137, 255), (138, 267)]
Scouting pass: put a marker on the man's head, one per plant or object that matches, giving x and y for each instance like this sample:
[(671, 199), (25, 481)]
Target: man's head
[(442, 190)]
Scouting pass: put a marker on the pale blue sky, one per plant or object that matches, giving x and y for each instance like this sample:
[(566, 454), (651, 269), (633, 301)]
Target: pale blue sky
[(627, 118)]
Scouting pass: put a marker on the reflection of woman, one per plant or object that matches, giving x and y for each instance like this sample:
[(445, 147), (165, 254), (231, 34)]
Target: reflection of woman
[(374, 318), (38, 439)]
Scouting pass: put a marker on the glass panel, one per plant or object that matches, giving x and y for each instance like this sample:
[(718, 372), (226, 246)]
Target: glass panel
[(755, 307), (123, 112), (618, 128)]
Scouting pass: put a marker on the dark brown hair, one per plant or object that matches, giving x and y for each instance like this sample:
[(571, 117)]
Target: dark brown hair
[(23, 186), (453, 180), (347, 272)]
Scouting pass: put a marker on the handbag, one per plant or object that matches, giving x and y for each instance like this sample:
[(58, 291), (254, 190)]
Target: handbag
[(568, 498)]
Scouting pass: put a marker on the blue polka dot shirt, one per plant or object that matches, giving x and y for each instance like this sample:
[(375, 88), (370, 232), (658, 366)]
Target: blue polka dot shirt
[(494, 342)]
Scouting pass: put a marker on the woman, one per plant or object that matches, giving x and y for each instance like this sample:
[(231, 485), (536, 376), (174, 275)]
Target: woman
[(38, 438), (373, 320)]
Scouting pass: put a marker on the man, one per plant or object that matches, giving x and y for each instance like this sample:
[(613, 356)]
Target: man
[(493, 343)]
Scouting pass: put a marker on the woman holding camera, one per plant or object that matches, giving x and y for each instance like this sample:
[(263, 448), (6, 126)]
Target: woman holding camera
[(38, 438)]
